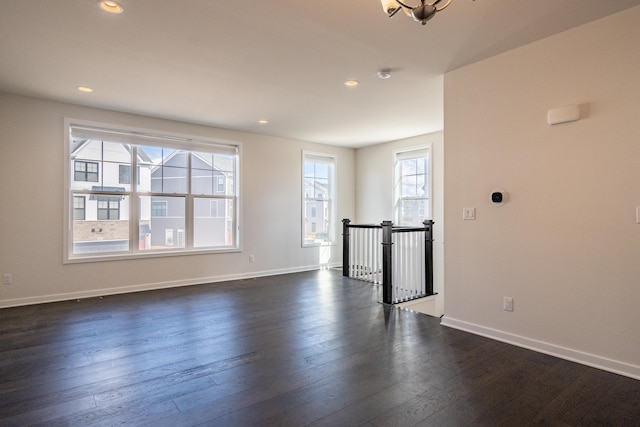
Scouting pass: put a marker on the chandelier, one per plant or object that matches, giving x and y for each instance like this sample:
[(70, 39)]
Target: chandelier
[(420, 13)]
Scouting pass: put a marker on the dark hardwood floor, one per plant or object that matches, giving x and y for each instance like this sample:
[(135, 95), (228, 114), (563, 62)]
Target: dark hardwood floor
[(300, 349)]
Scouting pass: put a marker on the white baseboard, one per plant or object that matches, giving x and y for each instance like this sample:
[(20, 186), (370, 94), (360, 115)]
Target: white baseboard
[(595, 361), (93, 293)]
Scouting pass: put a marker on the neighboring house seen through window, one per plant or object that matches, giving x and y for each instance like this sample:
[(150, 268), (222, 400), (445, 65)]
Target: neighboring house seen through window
[(318, 183)]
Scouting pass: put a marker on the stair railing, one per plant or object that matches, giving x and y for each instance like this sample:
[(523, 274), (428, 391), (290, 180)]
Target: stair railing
[(399, 259)]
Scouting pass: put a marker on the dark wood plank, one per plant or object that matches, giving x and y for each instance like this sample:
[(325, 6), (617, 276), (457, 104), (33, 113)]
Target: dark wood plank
[(301, 349)]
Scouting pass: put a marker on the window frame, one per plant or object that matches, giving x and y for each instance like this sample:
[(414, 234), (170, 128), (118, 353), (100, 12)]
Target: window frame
[(153, 138), (332, 196), (406, 154)]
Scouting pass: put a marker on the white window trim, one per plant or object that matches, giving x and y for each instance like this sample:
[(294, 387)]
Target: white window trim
[(333, 204), (394, 197), (189, 142)]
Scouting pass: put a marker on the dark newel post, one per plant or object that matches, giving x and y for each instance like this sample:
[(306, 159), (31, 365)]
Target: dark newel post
[(345, 247), (387, 276), (428, 256)]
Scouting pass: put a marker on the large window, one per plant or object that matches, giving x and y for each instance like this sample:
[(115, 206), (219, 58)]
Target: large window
[(412, 188), (132, 193), (318, 210)]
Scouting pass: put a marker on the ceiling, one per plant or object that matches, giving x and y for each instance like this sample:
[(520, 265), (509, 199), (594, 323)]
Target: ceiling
[(228, 64)]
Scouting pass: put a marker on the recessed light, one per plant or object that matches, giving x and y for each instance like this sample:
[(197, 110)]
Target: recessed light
[(110, 6), (351, 83), (263, 121), (85, 89)]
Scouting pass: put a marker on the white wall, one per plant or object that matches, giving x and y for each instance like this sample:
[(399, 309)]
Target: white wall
[(374, 197), (32, 194), (566, 246)]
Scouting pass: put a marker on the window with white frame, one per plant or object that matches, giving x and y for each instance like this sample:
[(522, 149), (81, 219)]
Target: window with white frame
[(412, 189), (132, 193), (318, 199)]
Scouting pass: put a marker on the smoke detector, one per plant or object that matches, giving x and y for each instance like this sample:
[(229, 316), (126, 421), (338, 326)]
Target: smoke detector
[(384, 73)]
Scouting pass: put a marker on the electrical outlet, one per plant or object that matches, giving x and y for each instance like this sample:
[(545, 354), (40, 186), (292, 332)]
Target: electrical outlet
[(507, 304), (7, 278), (469, 214), (252, 258)]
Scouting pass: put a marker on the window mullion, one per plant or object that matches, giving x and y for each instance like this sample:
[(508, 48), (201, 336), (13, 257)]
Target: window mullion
[(189, 220), (100, 166), (134, 203)]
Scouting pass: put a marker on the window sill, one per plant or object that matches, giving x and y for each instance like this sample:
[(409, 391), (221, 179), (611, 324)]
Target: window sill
[(315, 245), (121, 257)]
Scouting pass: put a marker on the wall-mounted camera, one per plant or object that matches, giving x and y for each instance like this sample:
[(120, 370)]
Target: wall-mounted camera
[(498, 197)]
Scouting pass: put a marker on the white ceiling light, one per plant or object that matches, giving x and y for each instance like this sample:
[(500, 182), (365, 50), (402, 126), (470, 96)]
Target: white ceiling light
[(420, 13), (85, 89), (351, 83), (110, 6)]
